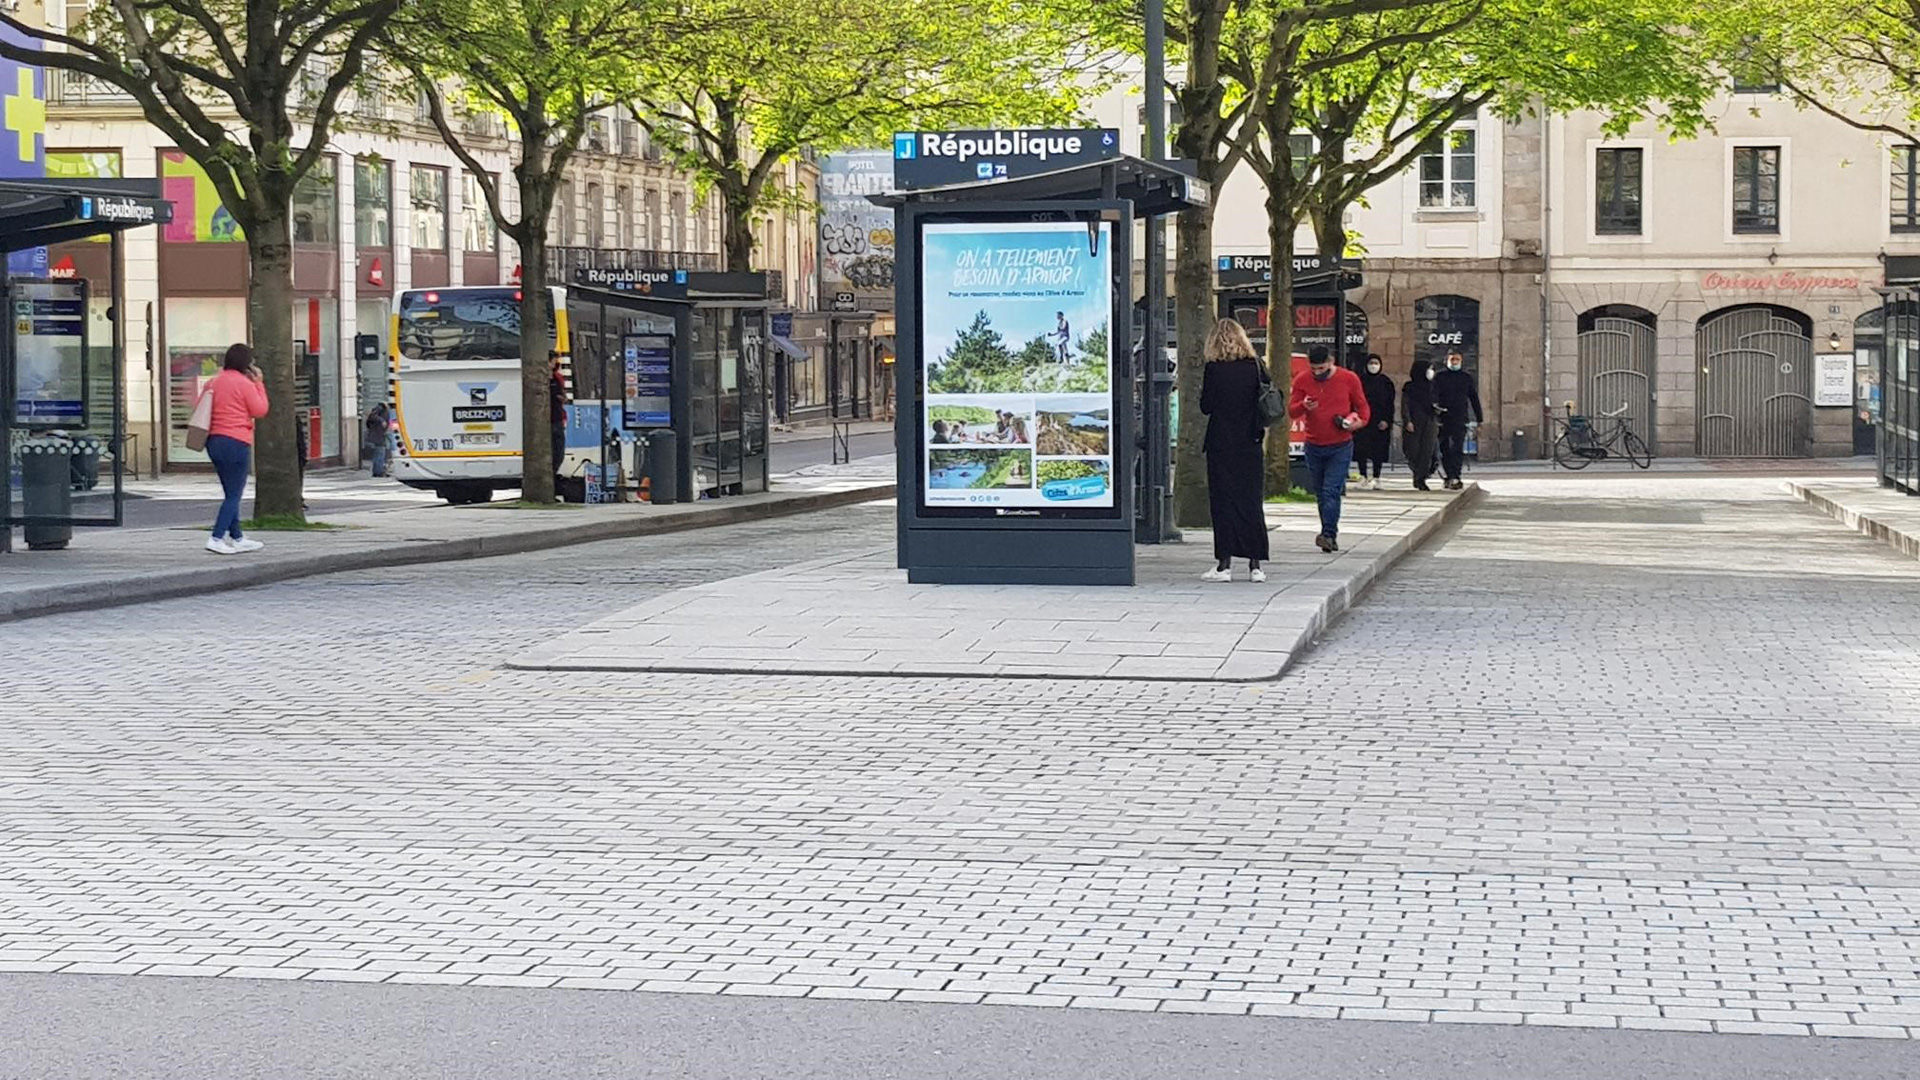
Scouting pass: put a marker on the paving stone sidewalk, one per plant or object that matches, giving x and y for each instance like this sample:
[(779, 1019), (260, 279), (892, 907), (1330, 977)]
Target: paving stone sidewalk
[(1862, 505), (860, 616), (110, 567)]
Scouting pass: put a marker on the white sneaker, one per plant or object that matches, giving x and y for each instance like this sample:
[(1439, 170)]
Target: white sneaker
[(1373, 483), (222, 546), (1216, 574), (1259, 575), (244, 545)]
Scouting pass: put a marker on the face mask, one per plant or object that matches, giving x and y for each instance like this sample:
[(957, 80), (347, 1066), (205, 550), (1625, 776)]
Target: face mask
[(1373, 369), (1453, 365), (1323, 376)]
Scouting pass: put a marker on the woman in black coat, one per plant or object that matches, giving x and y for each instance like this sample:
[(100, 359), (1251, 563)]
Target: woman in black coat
[(1422, 438), (1236, 462), (1372, 443)]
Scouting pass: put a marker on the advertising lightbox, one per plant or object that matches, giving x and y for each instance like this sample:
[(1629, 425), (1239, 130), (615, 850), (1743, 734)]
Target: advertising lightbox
[(1018, 415)]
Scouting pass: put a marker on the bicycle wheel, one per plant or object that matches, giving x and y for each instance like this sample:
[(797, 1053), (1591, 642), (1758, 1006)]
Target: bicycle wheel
[(1637, 451), (1567, 456)]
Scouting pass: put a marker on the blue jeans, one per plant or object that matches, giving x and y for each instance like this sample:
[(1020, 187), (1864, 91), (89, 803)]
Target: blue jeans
[(229, 456), (1327, 479), (378, 464)]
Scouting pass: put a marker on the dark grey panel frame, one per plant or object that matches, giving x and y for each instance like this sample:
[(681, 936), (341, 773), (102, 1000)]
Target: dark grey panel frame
[(1039, 548)]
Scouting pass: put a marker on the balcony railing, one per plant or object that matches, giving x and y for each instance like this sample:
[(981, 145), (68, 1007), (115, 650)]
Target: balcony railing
[(73, 88), (563, 261)]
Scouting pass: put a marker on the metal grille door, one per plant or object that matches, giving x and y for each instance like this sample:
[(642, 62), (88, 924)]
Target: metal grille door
[(1755, 389), (1616, 368)]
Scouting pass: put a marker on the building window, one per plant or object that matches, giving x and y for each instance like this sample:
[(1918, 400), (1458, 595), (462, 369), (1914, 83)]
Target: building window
[(1446, 176), (596, 211), (1447, 324), (1756, 189), (1617, 182), (1300, 153), (372, 203), (655, 238), (476, 220), (563, 213), (623, 217), (429, 208), (1905, 196), (316, 205)]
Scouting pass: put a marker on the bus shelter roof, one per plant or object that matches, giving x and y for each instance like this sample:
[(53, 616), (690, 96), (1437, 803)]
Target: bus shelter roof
[(1154, 187), (35, 213)]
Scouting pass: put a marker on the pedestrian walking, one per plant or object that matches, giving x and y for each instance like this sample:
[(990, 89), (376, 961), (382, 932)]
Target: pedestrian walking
[(1236, 463), (238, 397), (1420, 431), (1334, 405), (1373, 443), (376, 439), (1455, 397)]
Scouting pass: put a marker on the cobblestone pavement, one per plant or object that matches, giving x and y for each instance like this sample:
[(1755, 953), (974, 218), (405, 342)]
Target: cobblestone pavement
[(1625, 755)]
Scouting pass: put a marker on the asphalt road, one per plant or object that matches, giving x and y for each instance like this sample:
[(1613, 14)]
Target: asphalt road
[(207, 1029)]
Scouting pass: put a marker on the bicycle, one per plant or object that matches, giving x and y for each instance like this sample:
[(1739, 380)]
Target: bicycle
[(1581, 443)]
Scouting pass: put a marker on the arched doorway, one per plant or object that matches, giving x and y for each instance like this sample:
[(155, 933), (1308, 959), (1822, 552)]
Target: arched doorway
[(1754, 389), (1448, 324), (1618, 351)]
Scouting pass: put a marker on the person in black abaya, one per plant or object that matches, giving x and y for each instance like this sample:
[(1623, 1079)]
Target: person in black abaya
[(1236, 462), (1372, 443), (1422, 439)]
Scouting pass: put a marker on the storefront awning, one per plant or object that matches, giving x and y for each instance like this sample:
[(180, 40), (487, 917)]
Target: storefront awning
[(37, 213), (786, 345)]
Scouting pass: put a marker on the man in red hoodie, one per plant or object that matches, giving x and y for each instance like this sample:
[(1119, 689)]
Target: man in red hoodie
[(1334, 405)]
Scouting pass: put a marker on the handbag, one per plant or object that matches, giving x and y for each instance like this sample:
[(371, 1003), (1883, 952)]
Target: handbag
[(200, 421), (1272, 404)]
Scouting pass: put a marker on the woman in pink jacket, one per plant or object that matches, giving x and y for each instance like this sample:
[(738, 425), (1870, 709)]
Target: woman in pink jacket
[(239, 398)]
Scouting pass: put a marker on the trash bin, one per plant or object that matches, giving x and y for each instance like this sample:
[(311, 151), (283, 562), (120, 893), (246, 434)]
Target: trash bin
[(86, 464), (46, 490), (663, 467)]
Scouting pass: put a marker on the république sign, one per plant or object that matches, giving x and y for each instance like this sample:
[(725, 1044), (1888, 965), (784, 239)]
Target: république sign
[(1780, 281), (923, 159)]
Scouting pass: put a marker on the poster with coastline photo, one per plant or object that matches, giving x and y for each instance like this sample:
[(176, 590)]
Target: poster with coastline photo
[(1017, 363)]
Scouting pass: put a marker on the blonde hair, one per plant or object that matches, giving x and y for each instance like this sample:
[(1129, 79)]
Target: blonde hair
[(1228, 341)]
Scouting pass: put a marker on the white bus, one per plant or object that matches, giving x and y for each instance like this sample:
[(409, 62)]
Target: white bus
[(454, 387)]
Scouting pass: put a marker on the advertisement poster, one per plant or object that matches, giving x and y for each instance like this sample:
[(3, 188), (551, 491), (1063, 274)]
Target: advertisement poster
[(856, 237), (1017, 365)]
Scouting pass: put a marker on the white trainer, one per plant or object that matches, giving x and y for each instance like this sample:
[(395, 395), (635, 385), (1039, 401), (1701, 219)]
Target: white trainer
[(220, 545), (1216, 574), (1259, 575), (245, 545)]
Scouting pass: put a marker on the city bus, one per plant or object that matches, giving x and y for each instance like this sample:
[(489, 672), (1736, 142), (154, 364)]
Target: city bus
[(454, 387)]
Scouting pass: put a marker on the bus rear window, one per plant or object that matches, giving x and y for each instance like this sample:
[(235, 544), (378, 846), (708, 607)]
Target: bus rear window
[(457, 325)]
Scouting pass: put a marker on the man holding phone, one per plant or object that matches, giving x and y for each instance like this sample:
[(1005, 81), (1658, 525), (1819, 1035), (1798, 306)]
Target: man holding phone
[(1334, 405)]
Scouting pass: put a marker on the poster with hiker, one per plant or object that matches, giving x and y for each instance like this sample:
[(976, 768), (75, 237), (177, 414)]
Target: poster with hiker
[(1018, 364)]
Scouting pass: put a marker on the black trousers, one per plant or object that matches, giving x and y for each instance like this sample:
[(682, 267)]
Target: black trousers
[(1453, 449)]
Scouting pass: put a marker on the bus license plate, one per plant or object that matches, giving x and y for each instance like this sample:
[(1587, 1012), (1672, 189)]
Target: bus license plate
[(487, 438)]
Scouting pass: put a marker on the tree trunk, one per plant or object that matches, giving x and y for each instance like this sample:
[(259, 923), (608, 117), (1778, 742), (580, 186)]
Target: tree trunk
[(536, 433), (1280, 226), (276, 466), (1193, 318), (736, 205), (1330, 231)]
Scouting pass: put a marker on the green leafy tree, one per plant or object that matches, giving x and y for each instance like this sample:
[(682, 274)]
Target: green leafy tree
[(768, 78), (223, 80), (1856, 63), (550, 67)]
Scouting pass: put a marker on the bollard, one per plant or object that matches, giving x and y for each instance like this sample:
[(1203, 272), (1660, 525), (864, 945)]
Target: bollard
[(663, 467), (46, 482)]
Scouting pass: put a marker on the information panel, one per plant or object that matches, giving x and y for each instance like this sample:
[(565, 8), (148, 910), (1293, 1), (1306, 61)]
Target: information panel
[(50, 344), (649, 380), (1017, 365)]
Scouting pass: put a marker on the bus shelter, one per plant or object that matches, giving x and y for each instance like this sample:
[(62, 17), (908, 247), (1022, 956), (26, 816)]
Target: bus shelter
[(678, 360), (1019, 456), (62, 370), (1897, 452)]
